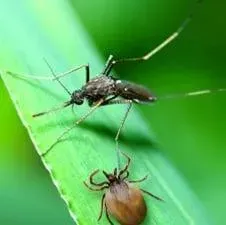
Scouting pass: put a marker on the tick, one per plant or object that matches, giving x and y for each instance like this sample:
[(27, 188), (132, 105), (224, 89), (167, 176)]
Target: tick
[(121, 199)]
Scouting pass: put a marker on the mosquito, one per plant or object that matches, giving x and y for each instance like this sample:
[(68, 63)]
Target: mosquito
[(105, 89)]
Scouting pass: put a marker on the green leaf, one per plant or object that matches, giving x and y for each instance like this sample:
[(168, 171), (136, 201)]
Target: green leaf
[(33, 30)]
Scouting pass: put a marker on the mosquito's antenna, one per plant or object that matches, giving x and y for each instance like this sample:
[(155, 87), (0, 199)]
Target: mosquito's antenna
[(53, 109), (51, 69), (194, 93)]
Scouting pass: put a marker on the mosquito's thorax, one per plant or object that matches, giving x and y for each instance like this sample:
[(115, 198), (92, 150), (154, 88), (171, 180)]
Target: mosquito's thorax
[(99, 87)]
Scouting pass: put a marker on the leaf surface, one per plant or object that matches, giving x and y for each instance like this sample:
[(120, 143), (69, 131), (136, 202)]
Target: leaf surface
[(49, 29)]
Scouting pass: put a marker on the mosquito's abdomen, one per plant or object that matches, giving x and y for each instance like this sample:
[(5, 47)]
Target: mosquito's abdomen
[(135, 92)]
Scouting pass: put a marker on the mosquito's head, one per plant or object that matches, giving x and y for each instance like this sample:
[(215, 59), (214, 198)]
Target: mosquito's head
[(77, 97)]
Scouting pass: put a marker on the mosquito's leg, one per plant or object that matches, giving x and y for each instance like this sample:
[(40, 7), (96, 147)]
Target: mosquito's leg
[(123, 119), (66, 104), (94, 189), (107, 215), (56, 77), (62, 85), (73, 70), (111, 63), (138, 181), (94, 183), (108, 64), (98, 103), (112, 101), (154, 196), (51, 78), (119, 131), (102, 207)]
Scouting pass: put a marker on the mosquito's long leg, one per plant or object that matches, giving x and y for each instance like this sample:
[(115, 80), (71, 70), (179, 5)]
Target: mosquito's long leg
[(73, 70), (51, 78), (112, 101), (66, 104), (110, 63), (62, 85), (129, 102), (118, 133), (193, 93), (76, 123), (107, 64), (97, 104), (55, 76)]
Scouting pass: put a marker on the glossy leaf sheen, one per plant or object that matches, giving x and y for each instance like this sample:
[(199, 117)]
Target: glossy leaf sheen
[(33, 34)]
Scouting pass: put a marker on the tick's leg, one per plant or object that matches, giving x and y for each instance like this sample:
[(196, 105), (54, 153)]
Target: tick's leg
[(115, 171), (98, 103), (154, 196), (126, 166), (94, 189), (126, 176), (94, 183), (138, 181), (110, 63), (107, 215), (102, 207)]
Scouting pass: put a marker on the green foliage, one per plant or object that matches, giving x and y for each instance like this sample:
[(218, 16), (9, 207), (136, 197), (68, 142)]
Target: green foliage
[(29, 37)]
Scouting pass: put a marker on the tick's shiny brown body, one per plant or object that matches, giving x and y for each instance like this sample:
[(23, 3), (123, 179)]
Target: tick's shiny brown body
[(126, 203), (121, 200)]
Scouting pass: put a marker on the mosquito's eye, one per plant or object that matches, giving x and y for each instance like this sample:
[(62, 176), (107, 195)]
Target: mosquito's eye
[(78, 101)]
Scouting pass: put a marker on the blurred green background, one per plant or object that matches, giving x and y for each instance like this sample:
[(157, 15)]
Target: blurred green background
[(191, 131)]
